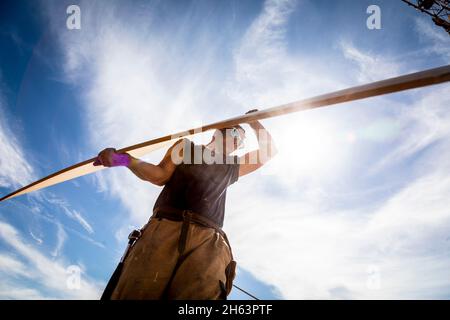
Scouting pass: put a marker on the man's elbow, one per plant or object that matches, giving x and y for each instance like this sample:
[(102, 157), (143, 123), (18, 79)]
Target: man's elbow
[(159, 176), (160, 182)]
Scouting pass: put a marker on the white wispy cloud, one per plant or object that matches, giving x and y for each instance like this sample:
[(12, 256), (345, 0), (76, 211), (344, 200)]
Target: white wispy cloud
[(43, 207), (78, 217), (11, 291), (38, 239), (436, 40), (61, 237), (12, 270), (15, 171), (421, 124), (370, 66), (69, 212), (264, 72), (11, 265), (52, 275)]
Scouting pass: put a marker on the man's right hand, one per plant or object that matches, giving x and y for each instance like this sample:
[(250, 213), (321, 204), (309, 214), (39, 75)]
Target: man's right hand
[(110, 158)]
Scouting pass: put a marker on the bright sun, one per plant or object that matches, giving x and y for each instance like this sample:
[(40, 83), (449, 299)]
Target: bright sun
[(309, 146)]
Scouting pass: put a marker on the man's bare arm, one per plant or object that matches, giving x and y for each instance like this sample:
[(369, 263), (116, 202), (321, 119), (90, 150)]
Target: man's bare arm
[(253, 160), (156, 174)]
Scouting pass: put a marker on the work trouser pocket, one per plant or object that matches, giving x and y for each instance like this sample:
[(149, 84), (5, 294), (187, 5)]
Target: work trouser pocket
[(230, 273)]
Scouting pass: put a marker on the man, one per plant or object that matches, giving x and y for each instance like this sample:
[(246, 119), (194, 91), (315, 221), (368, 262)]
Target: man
[(182, 252)]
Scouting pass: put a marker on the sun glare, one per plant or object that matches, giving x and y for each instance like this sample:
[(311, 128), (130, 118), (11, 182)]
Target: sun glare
[(310, 147)]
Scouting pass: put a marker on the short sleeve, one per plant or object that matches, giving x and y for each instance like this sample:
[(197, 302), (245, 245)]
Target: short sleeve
[(188, 151)]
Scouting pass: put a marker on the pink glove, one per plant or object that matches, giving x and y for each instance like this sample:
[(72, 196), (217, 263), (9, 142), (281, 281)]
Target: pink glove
[(110, 158)]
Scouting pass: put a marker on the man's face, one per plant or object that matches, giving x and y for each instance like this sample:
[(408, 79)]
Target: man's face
[(231, 139)]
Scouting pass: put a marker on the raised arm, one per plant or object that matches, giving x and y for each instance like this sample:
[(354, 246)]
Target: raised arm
[(156, 174), (253, 160)]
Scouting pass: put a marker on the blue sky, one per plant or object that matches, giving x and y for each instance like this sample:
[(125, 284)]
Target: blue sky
[(354, 206)]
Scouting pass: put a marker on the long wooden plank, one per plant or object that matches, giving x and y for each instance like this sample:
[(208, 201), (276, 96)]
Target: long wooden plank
[(401, 83)]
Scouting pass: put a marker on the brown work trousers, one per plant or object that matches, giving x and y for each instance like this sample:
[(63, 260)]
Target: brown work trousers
[(154, 268)]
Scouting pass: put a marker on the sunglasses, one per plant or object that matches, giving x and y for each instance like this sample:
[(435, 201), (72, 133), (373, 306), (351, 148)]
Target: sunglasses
[(234, 133)]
